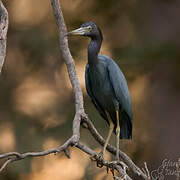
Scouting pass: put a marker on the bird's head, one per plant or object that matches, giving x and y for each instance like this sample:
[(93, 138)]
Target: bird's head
[(89, 29)]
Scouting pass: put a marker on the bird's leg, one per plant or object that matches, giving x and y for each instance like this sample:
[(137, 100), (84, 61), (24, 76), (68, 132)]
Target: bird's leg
[(117, 135), (101, 154), (117, 162), (117, 141), (109, 134)]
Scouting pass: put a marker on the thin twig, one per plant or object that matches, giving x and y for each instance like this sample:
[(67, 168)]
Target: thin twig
[(147, 171), (15, 156)]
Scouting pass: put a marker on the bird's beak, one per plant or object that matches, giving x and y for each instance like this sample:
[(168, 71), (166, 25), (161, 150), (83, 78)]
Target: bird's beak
[(80, 31)]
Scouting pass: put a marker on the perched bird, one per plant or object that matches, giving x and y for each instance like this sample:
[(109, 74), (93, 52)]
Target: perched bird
[(107, 87)]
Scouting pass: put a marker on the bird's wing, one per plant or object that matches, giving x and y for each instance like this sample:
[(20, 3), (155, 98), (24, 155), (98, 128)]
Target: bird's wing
[(90, 93), (119, 85)]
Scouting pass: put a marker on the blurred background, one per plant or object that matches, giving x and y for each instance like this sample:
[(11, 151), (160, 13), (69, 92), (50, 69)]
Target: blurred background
[(36, 98)]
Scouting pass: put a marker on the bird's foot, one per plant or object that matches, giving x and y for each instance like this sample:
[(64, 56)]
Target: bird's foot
[(99, 158), (112, 164)]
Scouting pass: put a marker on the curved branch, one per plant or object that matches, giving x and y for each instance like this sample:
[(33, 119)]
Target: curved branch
[(70, 67), (112, 149), (67, 55), (15, 156)]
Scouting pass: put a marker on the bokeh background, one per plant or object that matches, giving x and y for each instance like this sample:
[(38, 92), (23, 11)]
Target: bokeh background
[(36, 99)]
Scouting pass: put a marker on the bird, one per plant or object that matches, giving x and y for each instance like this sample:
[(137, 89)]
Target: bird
[(107, 87)]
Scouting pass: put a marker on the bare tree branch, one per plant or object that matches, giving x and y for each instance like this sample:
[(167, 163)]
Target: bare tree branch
[(3, 33), (79, 117), (15, 156), (112, 149)]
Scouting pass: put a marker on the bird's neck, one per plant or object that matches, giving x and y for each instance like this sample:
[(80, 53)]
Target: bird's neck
[(93, 50)]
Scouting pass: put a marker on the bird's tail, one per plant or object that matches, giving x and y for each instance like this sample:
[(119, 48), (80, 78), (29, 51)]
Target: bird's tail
[(125, 127)]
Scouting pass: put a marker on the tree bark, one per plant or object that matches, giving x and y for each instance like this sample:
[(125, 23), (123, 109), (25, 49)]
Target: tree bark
[(3, 33)]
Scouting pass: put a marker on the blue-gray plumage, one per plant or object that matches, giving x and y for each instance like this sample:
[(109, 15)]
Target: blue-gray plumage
[(106, 86)]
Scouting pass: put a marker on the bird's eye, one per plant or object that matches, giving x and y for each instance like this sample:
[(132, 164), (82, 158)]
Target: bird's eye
[(89, 28)]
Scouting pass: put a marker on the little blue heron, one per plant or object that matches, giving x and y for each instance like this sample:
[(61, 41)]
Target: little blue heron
[(107, 87)]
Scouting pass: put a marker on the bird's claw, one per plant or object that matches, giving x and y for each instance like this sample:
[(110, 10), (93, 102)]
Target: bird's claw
[(99, 158), (123, 165), (112, 165), (107, 169), (93, 157)]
